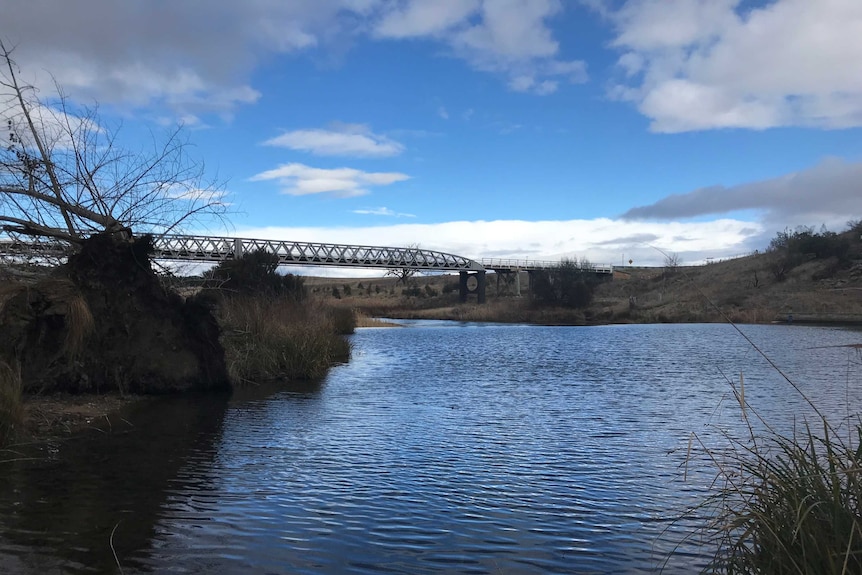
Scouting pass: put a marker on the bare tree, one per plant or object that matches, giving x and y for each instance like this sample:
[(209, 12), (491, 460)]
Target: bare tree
[(404, 274), (671, 263), (64, 176)]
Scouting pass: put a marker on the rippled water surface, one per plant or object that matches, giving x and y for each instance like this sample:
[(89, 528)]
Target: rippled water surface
[(441, 447)]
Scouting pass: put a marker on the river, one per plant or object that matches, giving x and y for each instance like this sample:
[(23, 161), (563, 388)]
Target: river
[(440, 447)]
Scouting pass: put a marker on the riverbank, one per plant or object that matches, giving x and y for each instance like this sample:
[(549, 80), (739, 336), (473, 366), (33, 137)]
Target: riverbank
[(743, 290), (58, 374)]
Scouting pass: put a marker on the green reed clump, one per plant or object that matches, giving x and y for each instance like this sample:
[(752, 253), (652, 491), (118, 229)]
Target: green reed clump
[(790, 505), (278, 338), (11, 406)]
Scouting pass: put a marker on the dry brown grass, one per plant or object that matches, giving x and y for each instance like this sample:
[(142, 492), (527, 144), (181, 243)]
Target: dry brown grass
[(11, 405), (743, 289), (63, 299), (277, 338)]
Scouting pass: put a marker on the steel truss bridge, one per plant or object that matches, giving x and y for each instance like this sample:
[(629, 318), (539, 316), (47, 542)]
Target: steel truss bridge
[(218, 249)]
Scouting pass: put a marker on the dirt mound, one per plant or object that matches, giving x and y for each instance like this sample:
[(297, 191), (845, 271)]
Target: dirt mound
[(103, 322)]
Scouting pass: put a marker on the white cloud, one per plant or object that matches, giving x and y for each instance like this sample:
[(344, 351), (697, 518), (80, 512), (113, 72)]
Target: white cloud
[(197, 195), (192, 62), (383, 211), (443, 113), (510, 37), (601, 240), (343, 140), (300, 180), (187, 57), (56, 127), (703, 64), (423, 18)]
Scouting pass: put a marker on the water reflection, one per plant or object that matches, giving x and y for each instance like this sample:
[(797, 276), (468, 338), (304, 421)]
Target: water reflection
[(59, 510), (439, 448)]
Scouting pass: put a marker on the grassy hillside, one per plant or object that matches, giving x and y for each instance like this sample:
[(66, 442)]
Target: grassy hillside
[(787, 280)]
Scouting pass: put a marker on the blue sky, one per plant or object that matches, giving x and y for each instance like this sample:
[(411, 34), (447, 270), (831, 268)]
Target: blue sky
[(488, 128)]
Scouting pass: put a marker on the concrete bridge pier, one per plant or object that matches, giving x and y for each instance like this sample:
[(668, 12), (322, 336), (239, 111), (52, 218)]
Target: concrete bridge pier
[(510, 280), (472, 283)]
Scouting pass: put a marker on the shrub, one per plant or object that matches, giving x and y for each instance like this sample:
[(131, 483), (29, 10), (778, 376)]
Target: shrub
[(256, 273), (274, 338), (570, 284), (791, 248), (791, 505), (412, 291)]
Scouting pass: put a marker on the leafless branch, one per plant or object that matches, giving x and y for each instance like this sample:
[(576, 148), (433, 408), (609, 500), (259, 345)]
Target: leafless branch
[(64, 175)]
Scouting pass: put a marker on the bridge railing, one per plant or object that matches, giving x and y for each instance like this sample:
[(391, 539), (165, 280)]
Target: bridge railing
[(532, 265), (207, 248), (216, 249)]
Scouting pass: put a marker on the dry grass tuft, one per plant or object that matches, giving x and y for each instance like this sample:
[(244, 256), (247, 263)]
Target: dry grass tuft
[(787, 504), (11, 406), (790, 505), (364, 320), (271, 338), (64, 299), (79, 324)]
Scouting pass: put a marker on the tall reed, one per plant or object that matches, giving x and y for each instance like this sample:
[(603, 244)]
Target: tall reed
[(787, 503), (11, 406), (273, 338)]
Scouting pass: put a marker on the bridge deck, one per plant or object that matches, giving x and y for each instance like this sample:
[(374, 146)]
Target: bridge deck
[(218, 249)]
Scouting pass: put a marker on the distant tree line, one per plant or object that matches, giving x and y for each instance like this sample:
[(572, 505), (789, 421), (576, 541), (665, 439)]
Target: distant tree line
[(570, 284)]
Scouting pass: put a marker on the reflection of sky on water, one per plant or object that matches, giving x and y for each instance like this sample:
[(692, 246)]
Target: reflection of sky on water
[(485, 448)]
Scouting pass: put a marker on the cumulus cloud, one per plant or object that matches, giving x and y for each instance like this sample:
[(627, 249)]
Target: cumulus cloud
[(829, 193), (194, 62), (383, 211), (510, 37), (601, 240), (704, 64), (190, 58), (422, 18), (301, 180), (343, 140)]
